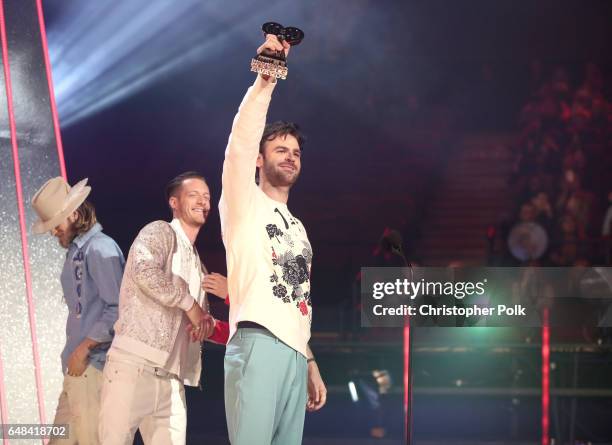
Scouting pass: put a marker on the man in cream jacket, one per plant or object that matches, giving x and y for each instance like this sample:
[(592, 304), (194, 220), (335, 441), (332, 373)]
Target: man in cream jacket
[(152, 354)]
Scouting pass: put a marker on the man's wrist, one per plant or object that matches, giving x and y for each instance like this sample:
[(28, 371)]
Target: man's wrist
[(83, 350), (87, 345), (187, 303)]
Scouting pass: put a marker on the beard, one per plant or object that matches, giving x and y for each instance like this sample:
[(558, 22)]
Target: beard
[(279, 177), (66, 238)]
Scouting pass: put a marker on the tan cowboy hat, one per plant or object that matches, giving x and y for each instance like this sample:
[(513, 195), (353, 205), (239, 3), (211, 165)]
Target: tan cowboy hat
[(55, 201)]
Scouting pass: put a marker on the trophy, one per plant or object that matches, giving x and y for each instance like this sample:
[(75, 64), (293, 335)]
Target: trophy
[(274, 63)]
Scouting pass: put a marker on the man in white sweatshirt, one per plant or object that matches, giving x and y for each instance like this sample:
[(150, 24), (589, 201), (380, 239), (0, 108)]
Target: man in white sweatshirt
[(271, 376)]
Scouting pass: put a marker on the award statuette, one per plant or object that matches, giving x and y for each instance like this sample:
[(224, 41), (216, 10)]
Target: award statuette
[(274, 63)]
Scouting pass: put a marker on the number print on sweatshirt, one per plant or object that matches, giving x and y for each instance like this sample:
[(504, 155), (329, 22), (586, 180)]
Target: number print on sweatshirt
[(291, 258)]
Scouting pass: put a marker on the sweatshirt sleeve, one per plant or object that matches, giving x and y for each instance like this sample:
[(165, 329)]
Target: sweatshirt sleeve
[(105, 264), (238, 178)]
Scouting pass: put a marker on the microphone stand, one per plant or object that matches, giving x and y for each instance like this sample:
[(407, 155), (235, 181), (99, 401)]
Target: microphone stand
[(408, 335)]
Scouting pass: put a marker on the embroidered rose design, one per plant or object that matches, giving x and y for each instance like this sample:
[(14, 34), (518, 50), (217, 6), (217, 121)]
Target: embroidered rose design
[(303, 308), (280, 291), (302, 268), (273, 231), (291, 268), (291, 274)]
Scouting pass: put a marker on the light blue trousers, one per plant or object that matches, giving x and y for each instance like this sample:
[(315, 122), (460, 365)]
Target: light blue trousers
[(265, 390)]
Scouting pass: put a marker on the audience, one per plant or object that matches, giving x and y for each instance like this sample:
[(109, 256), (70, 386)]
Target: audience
[(564, 159)]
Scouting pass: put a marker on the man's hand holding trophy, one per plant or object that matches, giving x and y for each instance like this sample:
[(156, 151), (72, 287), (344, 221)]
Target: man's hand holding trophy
[(271, 59)]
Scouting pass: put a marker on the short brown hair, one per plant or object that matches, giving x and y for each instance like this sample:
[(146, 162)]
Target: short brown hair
[(281, 128), (86, 218), (176, 183)]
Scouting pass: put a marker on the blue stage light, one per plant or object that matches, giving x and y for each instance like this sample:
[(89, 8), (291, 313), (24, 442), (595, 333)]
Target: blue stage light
[(104, 51)]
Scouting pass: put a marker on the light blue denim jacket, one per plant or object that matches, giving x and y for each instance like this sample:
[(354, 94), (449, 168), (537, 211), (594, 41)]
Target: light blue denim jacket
[(91, 279)]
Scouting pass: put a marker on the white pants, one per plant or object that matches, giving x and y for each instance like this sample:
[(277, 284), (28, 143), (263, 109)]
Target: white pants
[(79, 407), (134, 397)]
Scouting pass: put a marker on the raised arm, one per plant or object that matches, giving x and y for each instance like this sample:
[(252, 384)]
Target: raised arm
[(238, 177)]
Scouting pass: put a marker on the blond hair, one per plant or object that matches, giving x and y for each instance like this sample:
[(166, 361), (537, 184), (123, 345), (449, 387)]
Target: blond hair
[(86, 218)]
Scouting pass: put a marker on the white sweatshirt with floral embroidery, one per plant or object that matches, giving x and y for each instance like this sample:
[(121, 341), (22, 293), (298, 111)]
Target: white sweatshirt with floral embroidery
[(268, 253)]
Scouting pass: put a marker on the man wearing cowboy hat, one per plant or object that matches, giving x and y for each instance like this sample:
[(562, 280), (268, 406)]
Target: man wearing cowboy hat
[(161, 304), (90, 279)]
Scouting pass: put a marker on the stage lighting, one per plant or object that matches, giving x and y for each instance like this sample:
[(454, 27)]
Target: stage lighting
[(104, 51), (353, 391)]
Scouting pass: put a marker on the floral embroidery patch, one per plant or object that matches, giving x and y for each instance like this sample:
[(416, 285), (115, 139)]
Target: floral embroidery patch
[(291, 278)]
